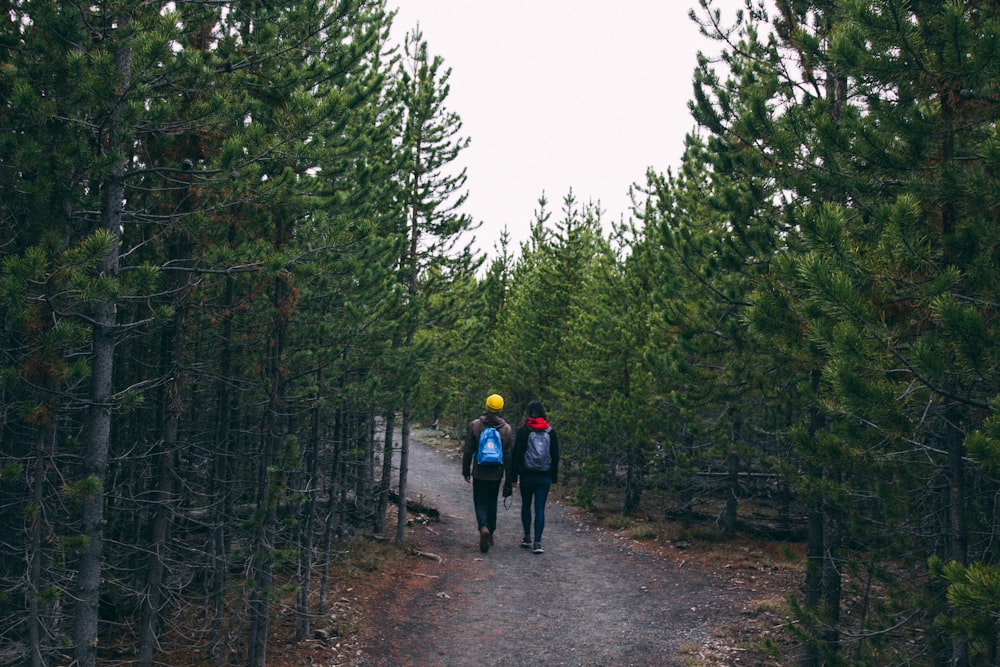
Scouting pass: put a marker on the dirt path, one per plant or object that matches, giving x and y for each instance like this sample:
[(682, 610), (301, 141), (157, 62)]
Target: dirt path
[(590, 599)]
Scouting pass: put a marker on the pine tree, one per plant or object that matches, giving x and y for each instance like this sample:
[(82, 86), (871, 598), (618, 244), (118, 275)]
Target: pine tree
[(881, 177), (547, 283), (430, 188), (169, 166)]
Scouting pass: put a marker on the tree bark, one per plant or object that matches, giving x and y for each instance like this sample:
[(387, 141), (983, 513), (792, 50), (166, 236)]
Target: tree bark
[(172, 409), (39, 535), (382, 499), (404, 458), (219, 550), (262, 569), (308, 517), (815, 542), (98, 436)]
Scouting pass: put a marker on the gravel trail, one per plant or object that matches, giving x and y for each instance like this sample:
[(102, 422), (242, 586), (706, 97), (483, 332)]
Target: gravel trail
[(590, 599)]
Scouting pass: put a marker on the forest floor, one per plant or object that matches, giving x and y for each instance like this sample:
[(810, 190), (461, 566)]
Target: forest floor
[(608, 590)]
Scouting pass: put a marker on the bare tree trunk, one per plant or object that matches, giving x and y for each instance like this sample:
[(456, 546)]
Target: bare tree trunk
[(152, 600), (173, 370), (332, 507), (220, 498), (95, 468), (815, 544), (404, 456), (957, 524), (308, 517), (732, 493), (262, 568), (39, 535), (98, 435), (382, 500), (832, 577), (368, 468), (815, 549), (259, 604)]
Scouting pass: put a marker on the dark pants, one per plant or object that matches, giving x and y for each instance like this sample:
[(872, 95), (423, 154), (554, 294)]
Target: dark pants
[(534, 493), (484, 496)]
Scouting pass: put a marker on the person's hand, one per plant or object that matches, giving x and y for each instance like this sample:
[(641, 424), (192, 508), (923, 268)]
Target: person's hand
[(468, 479)]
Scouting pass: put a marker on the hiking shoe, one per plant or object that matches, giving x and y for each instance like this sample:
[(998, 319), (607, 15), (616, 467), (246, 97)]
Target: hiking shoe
[(484, 539), (538, 548), (491, 539), (525, 542)]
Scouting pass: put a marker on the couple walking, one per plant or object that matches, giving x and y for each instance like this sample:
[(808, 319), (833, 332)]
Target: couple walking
[(530, 460)]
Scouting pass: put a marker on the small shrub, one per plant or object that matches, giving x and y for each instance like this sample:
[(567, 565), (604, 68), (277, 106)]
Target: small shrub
[(644, 532), (618, 522), (767, 646)]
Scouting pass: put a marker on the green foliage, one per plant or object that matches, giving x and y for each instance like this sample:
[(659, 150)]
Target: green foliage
[(259, 213), (973, 594), (11, 472), (825, 151)]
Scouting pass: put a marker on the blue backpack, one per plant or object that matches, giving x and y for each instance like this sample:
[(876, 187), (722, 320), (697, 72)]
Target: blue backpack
[(490, 452)]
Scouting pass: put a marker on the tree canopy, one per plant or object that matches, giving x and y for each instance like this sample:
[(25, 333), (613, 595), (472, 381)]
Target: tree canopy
[(236, 270)]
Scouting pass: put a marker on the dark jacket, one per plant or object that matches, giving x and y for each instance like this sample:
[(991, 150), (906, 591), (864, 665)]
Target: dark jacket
[(472, 444), (521, 444)]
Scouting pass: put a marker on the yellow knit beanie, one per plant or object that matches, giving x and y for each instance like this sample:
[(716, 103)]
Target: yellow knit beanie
[(494, 403)]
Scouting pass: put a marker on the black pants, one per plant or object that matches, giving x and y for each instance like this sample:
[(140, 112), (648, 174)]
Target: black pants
[(484, 496), (534, 492)]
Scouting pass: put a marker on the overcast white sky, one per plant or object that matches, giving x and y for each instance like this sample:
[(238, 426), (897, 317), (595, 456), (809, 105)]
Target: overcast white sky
[(560, 94)]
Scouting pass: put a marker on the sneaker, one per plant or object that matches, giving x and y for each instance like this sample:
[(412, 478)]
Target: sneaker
[(484, 539), (491, 539), (525, 542), (538, 548)]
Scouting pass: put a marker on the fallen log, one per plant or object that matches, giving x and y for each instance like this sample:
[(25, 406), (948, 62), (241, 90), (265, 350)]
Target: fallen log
[(415, 507)]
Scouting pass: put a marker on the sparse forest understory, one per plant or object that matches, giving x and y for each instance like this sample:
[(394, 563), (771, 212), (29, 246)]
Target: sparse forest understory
[(236, 272)]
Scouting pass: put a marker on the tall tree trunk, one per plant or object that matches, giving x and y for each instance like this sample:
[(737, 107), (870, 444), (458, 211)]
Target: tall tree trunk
[(633, 478), (368, 469), (815, 540), (173, 369), (219, 549), (95, 467), (382, 499), (815, 549), (333, 506), (732, 493), (152, 600), (262, 570), (98, 435), (832, 567), (308, 517), (40, 534), (958, 537), (404, 460), (733, 477)]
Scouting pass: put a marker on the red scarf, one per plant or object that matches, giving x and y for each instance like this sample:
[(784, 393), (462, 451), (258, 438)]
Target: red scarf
[(537, 423)]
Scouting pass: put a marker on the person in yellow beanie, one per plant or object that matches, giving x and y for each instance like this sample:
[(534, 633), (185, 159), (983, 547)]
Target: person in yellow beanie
[(481, 468)]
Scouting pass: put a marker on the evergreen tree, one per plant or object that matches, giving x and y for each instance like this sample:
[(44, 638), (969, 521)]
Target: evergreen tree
[(601, 358), (180, 143), (547, 283), (880, 173), (431, 195)]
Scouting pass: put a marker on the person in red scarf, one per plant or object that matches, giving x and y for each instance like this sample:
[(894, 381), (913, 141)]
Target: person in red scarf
[(536, 468)]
